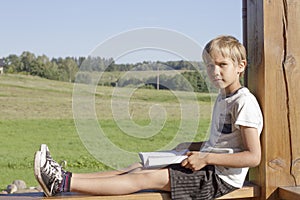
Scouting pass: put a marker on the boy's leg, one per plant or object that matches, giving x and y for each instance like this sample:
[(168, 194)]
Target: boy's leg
[(134, 167), (54, 179), (123, 184)]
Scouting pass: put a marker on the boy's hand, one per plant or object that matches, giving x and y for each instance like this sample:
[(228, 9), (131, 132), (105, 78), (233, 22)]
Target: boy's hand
[(195, 161)]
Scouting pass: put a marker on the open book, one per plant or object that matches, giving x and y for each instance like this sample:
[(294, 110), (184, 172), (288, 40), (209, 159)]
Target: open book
[(164, 158)]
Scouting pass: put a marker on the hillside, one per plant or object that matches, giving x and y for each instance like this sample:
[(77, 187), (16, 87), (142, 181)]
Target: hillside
[(30, 97), (36, 110)]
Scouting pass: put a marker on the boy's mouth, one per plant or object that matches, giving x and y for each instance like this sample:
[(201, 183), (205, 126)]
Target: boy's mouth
[(217, 79)]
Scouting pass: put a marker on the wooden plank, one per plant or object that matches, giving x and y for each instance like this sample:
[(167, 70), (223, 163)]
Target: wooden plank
[(248, 191), (273, 74), (292, 77), (40, 196), (289, 193), (136, 196), (256, 74)]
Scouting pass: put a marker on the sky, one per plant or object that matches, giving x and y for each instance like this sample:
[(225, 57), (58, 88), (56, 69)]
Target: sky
[(61, 28)]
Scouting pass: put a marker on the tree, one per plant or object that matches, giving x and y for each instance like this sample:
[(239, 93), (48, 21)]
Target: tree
[(67, 69), (27, 59), (196, 80), (14, 63), (39, 65)]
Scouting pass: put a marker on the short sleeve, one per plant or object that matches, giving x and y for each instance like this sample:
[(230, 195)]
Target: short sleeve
[(248, 113)]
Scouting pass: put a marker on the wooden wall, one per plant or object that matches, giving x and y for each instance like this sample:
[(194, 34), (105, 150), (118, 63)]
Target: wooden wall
[(273, 44)]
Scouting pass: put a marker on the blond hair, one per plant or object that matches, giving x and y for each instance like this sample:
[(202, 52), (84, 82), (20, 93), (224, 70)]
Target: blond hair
[(227, 46)]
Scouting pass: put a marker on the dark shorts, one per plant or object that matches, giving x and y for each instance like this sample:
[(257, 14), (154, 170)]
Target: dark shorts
[(202, 184)]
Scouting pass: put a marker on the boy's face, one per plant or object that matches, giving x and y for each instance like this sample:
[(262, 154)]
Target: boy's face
[(224, 73)]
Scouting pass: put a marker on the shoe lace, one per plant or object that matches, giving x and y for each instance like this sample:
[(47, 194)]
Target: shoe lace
[(54, 171)]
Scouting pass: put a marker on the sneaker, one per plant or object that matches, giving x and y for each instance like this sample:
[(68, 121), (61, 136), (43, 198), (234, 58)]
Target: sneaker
[(45, 151), (48, 172)]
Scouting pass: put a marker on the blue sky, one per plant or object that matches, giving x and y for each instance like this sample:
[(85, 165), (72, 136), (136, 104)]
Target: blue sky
[(60, 28)]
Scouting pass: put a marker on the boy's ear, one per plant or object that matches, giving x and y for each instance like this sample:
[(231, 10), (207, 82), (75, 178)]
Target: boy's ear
[(242, 66)]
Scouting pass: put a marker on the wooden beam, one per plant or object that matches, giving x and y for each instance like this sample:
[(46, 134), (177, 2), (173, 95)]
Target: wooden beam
[(291, 69), (273, 37)]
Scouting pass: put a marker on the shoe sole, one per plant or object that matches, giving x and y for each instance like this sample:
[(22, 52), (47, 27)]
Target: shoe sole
[(37, 173)]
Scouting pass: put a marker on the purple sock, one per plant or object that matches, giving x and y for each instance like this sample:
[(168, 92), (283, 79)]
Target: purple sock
[(66, 182)]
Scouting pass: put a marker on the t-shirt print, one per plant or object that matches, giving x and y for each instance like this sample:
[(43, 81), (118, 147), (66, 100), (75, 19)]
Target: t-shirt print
[(225, 125)]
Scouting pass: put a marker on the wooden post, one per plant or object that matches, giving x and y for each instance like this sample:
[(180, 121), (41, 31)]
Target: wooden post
[(273, 38)]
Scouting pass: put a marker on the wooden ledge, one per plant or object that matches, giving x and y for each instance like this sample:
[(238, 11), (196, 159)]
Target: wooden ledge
[(248, 191), (289, 193), (136, 196)]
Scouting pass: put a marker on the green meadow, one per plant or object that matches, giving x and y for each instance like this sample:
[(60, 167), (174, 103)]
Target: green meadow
[(36, 111)]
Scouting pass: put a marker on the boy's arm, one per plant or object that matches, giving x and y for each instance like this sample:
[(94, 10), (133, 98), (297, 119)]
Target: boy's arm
[(250, 157)]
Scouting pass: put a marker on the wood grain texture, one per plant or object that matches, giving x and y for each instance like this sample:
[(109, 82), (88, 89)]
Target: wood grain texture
[(289, 193), (273, 36), (248, 191)]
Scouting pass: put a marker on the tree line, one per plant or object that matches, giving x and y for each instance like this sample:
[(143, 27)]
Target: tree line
[(82, 69)]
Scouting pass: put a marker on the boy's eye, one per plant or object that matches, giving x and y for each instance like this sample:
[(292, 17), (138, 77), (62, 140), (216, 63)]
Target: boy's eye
[(222, 64)]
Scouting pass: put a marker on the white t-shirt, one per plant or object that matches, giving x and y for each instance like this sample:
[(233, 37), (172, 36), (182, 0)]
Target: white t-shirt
[(239, 109)]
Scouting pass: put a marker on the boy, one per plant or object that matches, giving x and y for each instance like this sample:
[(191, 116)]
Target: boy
[(236, 125)]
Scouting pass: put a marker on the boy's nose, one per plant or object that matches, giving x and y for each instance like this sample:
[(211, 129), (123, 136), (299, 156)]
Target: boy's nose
[(216, 70)]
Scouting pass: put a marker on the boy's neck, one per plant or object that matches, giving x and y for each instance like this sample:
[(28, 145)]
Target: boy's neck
[(230, 91)]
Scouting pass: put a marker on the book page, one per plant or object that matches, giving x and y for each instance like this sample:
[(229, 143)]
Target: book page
[(162, 158)]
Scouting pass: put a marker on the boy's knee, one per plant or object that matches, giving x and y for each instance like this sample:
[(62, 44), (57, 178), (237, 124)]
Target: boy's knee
[(158, 179)]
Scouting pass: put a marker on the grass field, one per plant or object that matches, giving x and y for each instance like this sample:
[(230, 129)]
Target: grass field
[(35, 111)]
